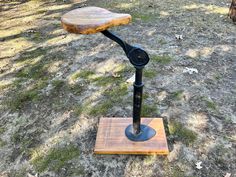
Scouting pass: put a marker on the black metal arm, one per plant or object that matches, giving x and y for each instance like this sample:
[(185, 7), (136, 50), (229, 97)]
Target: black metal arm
[(139, 58)]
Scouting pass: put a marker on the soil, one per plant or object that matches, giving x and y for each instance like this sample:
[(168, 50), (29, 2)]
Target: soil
[(52, 94)]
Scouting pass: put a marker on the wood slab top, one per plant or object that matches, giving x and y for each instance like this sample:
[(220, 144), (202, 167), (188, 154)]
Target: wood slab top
[(89, 20)]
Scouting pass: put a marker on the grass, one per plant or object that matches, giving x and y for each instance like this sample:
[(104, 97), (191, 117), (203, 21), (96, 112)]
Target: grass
[(101, 108), (149, 73), (181, 133), (177, 95), (54, 159), (36, 71), (79, 109), (124, 68), (115, 92), (112, 97), (84, 74), (2, 143), (209, 103), (25, 140), (62, 85), (20, 172), (2, 130), (76, 89), (145, 96), (58, 84), (4, 86), (37, 36), (143, 17), (31, 54), (177, 172), (218, 76), (149, 110), (161, 59), (22, 97), (162, 41), (106, 80)]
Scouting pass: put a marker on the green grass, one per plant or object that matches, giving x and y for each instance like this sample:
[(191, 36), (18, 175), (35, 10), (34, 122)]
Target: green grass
[(149, 110), (78, 109), (161, 59), (2, 143), (209, 103), (36, 71), (37, 36), (58, 84), (112, 97), (143, 17), (21, 97), (162, 41), (145, 96), (116, 92), (217, 76), (84, 74), (24, 140), (149, 73), (2, 130), (181, 133), (126, 68), (19, 172), (32, 54), (55, 159), (177, 95), (76, 89), (106, 80), (4, 86), (176, 172), (101, 108)]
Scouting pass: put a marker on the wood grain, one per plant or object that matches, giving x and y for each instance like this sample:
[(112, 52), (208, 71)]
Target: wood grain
[(111, 138), (89, 20)]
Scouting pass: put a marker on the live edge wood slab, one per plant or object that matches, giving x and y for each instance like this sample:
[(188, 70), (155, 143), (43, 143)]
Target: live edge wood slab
[(89, 20), (111, 138)]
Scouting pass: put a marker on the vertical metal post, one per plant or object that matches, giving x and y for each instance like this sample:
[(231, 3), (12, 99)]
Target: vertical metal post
[(137, 100)]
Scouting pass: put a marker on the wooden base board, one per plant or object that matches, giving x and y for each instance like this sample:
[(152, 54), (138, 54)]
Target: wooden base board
[(111, 138)]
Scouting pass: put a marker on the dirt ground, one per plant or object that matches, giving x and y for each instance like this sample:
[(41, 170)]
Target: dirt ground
[(55, 86)]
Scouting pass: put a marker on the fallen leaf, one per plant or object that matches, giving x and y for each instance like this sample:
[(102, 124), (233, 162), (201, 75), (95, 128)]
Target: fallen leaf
[(131, 80), (228, 175), (30, 175), (198, 165), (190, 70), (179, 37)]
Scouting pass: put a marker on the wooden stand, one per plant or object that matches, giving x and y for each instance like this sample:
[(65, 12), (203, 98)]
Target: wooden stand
[(120, 135), (111, 138)]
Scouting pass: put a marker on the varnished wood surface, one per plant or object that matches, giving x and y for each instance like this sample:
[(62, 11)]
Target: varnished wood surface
[(89, 20), (111, 138)]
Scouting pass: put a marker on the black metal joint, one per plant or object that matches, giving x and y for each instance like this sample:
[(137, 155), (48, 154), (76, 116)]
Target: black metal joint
[(136, 55)]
